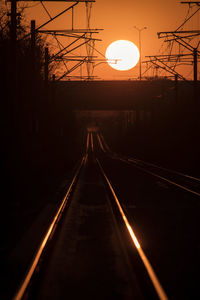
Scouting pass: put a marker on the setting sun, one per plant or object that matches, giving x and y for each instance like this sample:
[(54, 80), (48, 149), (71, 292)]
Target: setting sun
[(122, 55)]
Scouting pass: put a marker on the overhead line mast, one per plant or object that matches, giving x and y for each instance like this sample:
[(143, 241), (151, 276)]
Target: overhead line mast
[(74, 33), (181, 37), (185, 39)]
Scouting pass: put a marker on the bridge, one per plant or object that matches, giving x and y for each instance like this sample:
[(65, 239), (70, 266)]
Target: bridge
[(117, 95)]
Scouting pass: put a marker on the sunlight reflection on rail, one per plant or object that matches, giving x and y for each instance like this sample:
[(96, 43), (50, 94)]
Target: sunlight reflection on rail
[(137, 245), (160, 291), (20, 292)]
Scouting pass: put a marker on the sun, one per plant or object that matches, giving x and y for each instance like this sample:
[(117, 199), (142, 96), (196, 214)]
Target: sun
[(122, 55)]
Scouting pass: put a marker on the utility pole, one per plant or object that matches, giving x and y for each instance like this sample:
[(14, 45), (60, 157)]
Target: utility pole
[(46, 67), (176, 88), (195, 56), (181, 37), (46, 73), (140, 49), (35, 107), (53, 89), (78, 35), (195, 64), (13, 21), (13, 40), (13, 94), (32, 34), (33, 50)]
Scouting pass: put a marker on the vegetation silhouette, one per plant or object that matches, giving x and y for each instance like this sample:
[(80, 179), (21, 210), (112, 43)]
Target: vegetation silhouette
[(39, 141)]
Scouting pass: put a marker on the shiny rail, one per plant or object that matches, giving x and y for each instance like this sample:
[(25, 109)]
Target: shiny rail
[(161, 177), (87, 143), (25, 283), (186, 176), (152, 275), (92, 142), (142, 165), (101, 143)]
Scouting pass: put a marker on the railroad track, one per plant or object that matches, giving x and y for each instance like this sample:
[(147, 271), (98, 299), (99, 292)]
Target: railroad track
[(90, 249), (180, 180), (163, 206)]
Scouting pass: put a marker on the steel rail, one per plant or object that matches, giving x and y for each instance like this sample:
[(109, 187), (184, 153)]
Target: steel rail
[(152, 275), (87, 142), (136, 164), (92, 142), (160, 177), (23, 287), (100, 143), (104, 142), (164, 169)]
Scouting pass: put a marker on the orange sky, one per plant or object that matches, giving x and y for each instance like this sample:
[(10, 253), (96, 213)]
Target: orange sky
[(118, 18)]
